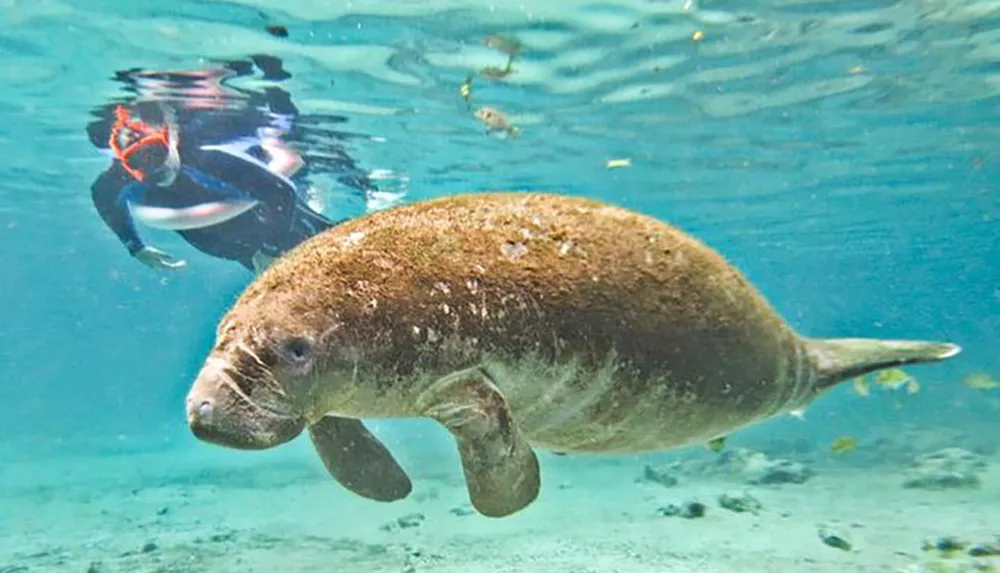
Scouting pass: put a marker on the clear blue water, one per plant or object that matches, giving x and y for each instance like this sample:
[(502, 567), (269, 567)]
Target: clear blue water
[(841, 154)]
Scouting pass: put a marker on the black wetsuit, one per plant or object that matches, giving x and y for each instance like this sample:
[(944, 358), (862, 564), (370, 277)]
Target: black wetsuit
[(280, 220), (277, 223)]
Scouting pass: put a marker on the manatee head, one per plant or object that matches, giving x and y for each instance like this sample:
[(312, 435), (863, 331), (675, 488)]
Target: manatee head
[(256, 388)]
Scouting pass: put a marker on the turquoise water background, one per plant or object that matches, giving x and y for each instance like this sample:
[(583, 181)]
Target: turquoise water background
[(842, 154)]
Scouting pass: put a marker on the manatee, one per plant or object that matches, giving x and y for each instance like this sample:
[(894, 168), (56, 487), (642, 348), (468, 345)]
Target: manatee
[(519, 322)]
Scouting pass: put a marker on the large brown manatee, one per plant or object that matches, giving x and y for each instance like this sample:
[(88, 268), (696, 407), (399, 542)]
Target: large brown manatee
[(517, 321)]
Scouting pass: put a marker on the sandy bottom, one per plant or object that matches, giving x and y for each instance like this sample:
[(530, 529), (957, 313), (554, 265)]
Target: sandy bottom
[(202, 509)]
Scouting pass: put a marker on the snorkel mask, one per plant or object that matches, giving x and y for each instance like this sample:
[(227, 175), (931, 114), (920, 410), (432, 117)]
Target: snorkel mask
[(130, 137)]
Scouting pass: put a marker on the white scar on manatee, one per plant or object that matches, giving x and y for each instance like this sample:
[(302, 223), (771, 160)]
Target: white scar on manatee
[(271, 382), (221, 369)]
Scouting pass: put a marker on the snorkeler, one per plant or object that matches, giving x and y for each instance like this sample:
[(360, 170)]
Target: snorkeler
[(210, 166)]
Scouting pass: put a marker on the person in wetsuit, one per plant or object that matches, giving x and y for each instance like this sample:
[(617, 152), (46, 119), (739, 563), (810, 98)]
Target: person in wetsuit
[(221, 176)]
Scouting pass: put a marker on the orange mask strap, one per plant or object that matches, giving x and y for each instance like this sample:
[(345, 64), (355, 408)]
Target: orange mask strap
[(123, 120)]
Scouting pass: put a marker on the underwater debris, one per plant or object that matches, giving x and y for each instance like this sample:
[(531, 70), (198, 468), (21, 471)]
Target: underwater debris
[(727, 463), (952, 555), (833, 538), (946, 545), (990, 549), (687, 510), (949, 547), (407, 521), (659, 475), (754, 467), (617, 164), (949, 468), (698, 35), (776, 472), (740, 502), (462, 510)]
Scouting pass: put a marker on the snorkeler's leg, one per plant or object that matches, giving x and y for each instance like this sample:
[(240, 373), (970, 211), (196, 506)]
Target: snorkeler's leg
[(365, 190), (310, 222), (305, 223), (284, 160), (279, 102), (272, 67)]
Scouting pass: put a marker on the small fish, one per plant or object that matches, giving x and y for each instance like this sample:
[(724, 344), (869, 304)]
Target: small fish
[(494, 73), (698, 36), (716, 445), (618, 163), (843, 445), (981, 381), (799, 413), (495, 120), (861, 387), (465, 90), (893, 378), (912, 386), (509, 46)]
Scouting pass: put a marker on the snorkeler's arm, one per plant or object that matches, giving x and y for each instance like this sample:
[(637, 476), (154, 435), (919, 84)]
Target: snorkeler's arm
[(109, 192)]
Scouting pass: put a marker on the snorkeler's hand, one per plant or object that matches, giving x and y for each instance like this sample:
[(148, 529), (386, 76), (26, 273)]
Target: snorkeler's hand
[(153, 257)]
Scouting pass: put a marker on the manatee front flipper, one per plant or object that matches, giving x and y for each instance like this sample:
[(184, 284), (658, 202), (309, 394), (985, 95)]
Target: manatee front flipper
[(501, 470), (358, 460)]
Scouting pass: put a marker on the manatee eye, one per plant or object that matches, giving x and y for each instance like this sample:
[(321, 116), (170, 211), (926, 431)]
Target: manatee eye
[(297, 349)]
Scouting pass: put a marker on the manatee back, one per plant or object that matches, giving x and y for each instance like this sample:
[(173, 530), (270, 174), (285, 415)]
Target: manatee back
[(447, 282)]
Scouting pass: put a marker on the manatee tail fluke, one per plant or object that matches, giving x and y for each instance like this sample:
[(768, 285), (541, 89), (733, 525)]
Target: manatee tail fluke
[(839, 359)]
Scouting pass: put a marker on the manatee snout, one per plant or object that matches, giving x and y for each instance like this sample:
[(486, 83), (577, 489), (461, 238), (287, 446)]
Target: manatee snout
[(227, 409)]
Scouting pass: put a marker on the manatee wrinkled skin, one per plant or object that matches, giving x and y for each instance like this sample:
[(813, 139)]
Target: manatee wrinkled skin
[(517, 321)]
